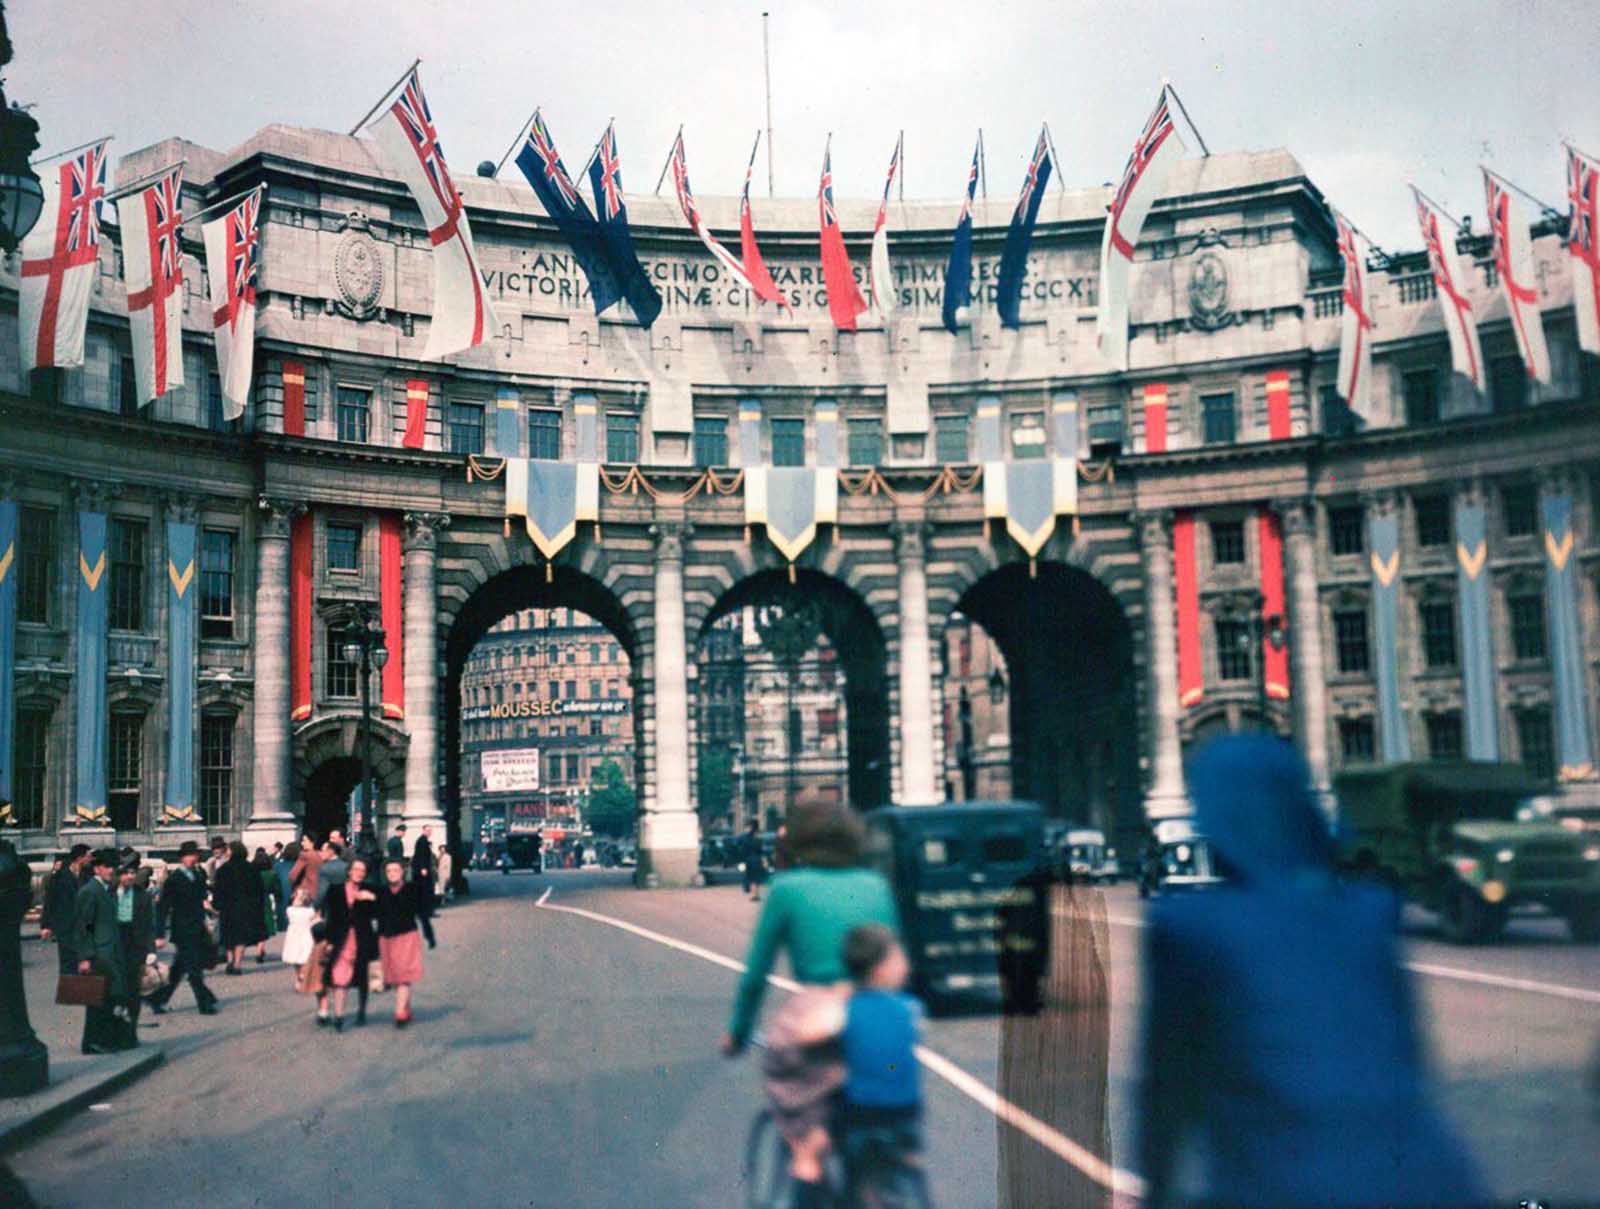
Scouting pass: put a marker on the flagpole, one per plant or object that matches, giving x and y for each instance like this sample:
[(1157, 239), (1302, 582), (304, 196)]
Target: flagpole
[(1549, 210), (1055, 157), (389, 92), (900, 164), (595, 154), (1371, 243), (214, 206), (1459, 225), (144, 181), (1571, 146), (45, 159), (983, 166), (517, 142), (1183, 109), (660, 179), (766, 69)]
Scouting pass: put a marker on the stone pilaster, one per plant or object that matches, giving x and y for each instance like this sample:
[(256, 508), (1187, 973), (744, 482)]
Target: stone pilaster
[(669, 832), (271, 815), (1165, 796), (919, 778), (419, 545), (1307, 675)]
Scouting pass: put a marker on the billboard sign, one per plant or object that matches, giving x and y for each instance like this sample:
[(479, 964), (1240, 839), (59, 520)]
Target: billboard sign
[(513, 770)]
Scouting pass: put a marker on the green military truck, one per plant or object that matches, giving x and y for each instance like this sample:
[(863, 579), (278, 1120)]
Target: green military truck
[(1447, 836)]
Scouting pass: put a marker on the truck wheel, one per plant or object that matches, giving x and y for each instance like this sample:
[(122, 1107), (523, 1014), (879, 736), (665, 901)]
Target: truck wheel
[(1583, 923)]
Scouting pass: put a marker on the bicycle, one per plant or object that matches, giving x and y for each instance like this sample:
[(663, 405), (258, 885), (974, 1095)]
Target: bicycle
[(874, 1170)]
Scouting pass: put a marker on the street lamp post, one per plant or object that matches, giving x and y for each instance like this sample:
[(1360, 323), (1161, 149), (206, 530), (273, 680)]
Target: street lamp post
[(364, 646), (21, 195), (1262, 628)]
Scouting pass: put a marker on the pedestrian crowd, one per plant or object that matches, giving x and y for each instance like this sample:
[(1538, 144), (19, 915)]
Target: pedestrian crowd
[(350, 921)]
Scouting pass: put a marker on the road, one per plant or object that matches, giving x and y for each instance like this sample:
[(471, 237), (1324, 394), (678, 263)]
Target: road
[(560, 1059)]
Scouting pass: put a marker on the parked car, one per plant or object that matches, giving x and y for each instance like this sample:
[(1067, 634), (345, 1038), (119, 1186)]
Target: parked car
[(1084, 850), (1177, 857)]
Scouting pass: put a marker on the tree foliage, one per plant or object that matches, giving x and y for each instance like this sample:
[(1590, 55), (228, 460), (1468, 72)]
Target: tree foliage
[(613, 808)]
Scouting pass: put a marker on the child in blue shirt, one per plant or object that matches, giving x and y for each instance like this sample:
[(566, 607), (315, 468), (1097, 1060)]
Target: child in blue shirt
[(883, 1082)]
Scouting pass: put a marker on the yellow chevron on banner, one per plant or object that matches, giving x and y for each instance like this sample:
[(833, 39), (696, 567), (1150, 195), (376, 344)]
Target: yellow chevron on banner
[(92, 576), (1576, 772), (1559, 552), (7, 818), (1472, 563), (178, 814), (1386, 571), (6, 560), (180, 583), (85, 816)]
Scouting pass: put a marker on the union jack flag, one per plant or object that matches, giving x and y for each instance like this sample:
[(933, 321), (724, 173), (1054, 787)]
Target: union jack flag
[(86, 191), (416, 119), (1583, 230), (888, 183), (1156, 131), (825, 192), (1041, 150), (680, 181), (167, 228), (610, 174), (972, 188), (544, 146), (242, 239)]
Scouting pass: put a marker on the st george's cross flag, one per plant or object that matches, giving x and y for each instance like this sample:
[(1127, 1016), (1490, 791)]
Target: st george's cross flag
[(462, 315), (1144, 179), (232, 259), (958, 269), (1460, 324), (880, 279), (59, 262), (844, 296), (605, 179), (1355, 331), (1583, 245), (755, 268), (691, 213), (1513, 261), (1019, 237), (152, 269), (541, 164)]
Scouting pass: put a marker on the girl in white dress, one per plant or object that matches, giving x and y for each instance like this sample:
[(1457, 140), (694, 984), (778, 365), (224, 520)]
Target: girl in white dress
[(297, 942)]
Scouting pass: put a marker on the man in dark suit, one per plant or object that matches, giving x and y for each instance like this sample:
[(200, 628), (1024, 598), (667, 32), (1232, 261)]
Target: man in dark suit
[(61, 903), (181, 913), (395, 849), (97, 945), (136, 920), (424, 871)]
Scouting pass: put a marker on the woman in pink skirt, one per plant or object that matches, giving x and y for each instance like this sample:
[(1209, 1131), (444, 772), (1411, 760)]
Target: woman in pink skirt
[(400, 911), (349, 911)]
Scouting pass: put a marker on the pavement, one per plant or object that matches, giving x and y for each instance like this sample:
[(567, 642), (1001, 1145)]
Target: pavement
[(568, 1057)]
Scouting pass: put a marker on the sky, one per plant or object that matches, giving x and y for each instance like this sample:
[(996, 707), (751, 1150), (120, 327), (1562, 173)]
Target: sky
[(1367, 95)]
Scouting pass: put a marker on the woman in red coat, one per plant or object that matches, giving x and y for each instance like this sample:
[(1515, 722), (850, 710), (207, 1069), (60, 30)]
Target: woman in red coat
[(400, 911)]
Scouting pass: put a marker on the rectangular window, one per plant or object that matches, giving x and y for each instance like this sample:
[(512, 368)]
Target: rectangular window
[(1350, 640), (1356, 740), (622, 437), (1347, 531), (353, 414), (950, 439), (125, 769), (1105, 426), (127, 574), (788, 442), (1227, 542), (1233, 650), (544, 434), (1337, 418), (216, 769), (574, 769), (594, 690), (216, 583), (611, 689), (1444, 736), (466, 427), (1536, 742), (572, 690), (1028, 435), (1421, 389), (216, 418), (1218, 418), (1438, 633), (125, 387), (36, 563), (1508, 383), (864, 445), (710, 441), (1519, 508), (1527, 625), (344, 547), (597, 726), (1433, 519), (341, 672), (555, 690), (29, 757)]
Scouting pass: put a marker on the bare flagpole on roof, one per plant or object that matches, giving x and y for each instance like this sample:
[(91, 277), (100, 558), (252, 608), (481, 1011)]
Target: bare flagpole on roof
[(1166, 85), (389, 92), (670, 150), (516, 142), (766, 67)]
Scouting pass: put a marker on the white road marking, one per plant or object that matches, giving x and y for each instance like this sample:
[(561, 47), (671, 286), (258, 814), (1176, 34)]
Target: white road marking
[(544, 896), (1057, 1143), (1554, 990)]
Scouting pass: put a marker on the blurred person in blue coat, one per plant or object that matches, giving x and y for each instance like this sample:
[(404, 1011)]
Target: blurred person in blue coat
[(1280, 1036)]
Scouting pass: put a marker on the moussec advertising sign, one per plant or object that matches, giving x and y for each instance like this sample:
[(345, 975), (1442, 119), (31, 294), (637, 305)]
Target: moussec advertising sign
[(513, 770)]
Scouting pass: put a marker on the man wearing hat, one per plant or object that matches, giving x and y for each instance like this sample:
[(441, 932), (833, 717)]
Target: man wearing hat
[(136, 921), (61, 904), (395, 849), (181, 913), (97, 945)]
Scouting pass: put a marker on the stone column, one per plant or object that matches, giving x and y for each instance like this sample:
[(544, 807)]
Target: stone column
[(421, 647), (669, 831), (1165, 796), (919, 784), (1307, 676), (271, 818)]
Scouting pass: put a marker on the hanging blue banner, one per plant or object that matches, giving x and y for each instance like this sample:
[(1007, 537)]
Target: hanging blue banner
[(94, 590), (183, 589), (1477, 641), (8, 650), (1574, 755), (1393, 735)]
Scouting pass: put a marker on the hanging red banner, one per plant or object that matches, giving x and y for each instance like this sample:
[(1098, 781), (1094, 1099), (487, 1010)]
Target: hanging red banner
[(416, 413), (1155, 418), (393, 617), (300, 618), (1275, 659), (1191, 673), (1278, 404), (294, 399)]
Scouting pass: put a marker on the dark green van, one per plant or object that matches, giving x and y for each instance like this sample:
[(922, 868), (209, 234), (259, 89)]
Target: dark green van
[(972, 890)]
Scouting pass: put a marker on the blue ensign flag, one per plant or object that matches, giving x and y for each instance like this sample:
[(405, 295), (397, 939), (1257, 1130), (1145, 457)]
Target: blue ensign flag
[(1019, 238), (565, 205), (958, 272), (605, 176)]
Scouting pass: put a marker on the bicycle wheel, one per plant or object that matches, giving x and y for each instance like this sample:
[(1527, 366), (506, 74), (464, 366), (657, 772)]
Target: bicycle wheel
[(766, 1165), (889, 1183)]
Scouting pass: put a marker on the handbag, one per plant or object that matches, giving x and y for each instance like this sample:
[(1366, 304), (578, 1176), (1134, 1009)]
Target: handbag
[(152, 976), (82, 990)]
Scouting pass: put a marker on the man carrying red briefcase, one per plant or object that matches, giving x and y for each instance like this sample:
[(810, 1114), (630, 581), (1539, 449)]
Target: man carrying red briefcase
[(97, 944)]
